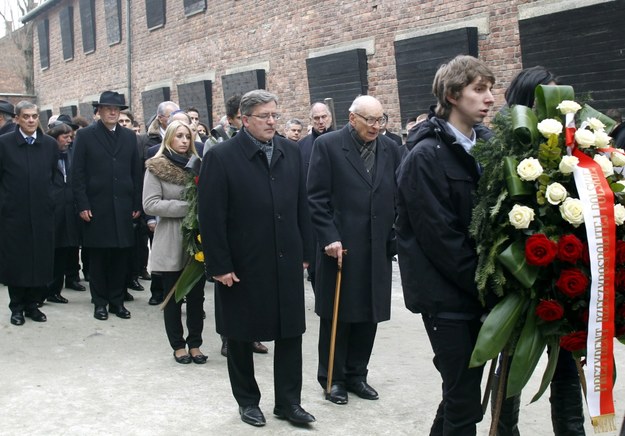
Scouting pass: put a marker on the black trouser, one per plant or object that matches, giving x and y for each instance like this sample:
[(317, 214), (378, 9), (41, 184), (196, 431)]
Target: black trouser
[(72, 265), (452, 342), (353, 346), (108, 268), (287, 372), (62, 257), (195, 314), (143, 251), (84, 259), (25, 298)]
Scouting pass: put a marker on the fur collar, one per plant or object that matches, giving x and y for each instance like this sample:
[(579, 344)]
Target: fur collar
[(165, 170)]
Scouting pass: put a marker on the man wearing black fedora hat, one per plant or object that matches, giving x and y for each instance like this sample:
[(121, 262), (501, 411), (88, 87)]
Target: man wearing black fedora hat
[(107, 182), (7, 114)]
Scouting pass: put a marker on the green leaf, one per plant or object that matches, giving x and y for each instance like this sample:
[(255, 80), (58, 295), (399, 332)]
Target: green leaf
[(528, 350), (513, 258), (191, 274), (524, 124), (589, 112), (497, 328), (548, 97), (554, 351), (517, 188)]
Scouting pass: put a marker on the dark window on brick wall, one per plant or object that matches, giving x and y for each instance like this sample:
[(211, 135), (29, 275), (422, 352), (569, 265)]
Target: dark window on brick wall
[(43, 29), (44, 116), (66, 17), (155, 13), (200, 96), (87, 23), (150, 100), (240, 83), (584, 53), (86, 110), (340, 76), (112, 12), (68, 110), (192, 7), (417, 60)]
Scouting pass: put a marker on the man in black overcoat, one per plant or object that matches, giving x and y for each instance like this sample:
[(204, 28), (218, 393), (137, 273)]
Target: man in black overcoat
[(351, 194), (106, 178), (27, 162), (255, 231)]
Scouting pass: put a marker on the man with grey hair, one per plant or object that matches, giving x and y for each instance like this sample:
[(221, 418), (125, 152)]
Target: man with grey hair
[(293, 129), (156, 129), (254, 218), (351, 194), (28, 159)]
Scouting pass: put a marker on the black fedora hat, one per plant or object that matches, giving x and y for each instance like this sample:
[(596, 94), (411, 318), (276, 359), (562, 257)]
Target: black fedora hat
[(111, 98), (7, 107), (67, 120)]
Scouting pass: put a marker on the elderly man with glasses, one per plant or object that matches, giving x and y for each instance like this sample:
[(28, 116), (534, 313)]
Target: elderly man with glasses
[(351, 194)]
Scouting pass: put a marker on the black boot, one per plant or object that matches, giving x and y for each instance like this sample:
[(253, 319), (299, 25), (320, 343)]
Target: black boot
[(567, 408), (509, 414)]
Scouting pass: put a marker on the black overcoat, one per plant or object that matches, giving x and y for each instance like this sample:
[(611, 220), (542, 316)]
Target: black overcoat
[(27, 218), (347, 206), (107, 179), (66, 219), (254, 221)]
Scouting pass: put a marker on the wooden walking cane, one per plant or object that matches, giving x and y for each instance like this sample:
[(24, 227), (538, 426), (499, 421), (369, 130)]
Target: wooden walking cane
[(335, 318)]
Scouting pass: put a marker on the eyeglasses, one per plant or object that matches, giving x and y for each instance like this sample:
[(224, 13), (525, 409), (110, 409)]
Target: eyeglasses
[(266, 117), (372, 120)]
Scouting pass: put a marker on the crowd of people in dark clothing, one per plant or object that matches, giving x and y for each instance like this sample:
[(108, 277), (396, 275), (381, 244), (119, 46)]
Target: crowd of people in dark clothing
[(337, 202)]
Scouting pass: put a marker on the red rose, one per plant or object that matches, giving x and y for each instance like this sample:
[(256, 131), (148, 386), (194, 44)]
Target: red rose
[(540, 250), (572, 282), (570, 248), (549, 310), (620, 252), (586, 254), (574, 341), (196, 179)]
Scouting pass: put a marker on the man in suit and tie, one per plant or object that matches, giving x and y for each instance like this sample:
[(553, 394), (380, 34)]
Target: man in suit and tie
[(351, 194), (106, 179)]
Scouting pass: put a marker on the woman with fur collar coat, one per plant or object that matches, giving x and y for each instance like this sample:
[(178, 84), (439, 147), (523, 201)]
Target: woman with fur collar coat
[(163, 187)]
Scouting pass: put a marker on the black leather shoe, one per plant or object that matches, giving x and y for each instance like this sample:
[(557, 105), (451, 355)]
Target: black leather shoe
[(120, 311), (199, 359), (184, 359), (338, 394), (259, 348), (145, 275), (57, 298), (294, 413), (36, 315), (100, 313), (252, 415), (128, 296), (224, 349), (75, 286), (17, 318), (363, 390), (135, 285), (155, 301)]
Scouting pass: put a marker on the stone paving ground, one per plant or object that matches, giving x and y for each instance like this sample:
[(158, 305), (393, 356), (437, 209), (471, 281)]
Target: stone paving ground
[(75, 375)]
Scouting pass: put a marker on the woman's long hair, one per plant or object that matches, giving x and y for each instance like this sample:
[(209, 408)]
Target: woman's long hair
[(170, 133)]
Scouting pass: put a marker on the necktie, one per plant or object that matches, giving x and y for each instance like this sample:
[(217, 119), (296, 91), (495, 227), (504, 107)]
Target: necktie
[(30, 139)]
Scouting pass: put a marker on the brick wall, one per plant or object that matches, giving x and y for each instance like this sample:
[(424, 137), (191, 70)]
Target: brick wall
[(12, 65), (240, 33)]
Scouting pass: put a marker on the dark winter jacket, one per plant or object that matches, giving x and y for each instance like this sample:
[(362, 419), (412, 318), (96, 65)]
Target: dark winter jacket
[(437, 182)]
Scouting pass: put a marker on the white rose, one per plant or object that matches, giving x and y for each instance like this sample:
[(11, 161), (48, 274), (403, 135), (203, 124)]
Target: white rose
[(549, 127), (605, 164), (601, 139), (568, 164), (568, 107), (584, 138), (595, 124), (619, 214), (529, 169), (572, 211), (556, 193), (618, 159), (521, 216)]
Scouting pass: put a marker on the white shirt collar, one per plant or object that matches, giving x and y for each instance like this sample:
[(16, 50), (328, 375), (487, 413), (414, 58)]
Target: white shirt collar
[(467, 143)]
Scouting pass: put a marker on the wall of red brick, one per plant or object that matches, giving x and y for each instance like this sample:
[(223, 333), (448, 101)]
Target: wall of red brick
[(235, 33), (12, 66)]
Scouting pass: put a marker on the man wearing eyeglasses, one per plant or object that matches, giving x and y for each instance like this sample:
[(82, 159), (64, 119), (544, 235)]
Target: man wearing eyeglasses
[(254, 218), (351, 194)]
